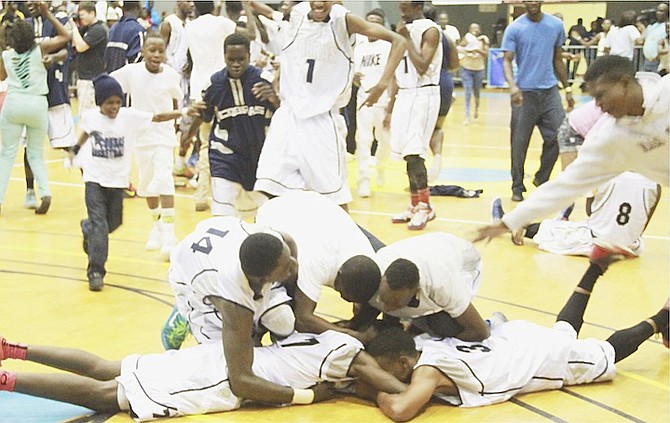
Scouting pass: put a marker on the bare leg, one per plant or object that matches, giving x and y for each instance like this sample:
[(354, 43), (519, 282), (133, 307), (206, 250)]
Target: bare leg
[(73, 389), (74, 361)]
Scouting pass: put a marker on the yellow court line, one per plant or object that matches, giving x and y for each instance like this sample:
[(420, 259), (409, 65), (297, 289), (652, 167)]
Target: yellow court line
[(78, 254), (643, 379)]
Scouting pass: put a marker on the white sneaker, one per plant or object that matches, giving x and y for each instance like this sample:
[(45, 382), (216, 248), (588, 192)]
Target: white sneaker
[(168, 244), (466, 122), (422, 215), (405, 216), (154, 242), (30, 202), (364, 189), (381, 177)]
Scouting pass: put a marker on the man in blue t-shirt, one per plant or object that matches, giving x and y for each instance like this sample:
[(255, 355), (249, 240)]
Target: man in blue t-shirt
[(535, 40)]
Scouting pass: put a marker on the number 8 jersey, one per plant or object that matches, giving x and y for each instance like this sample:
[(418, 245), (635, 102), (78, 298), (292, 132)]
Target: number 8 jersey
[(316, 62), (206, 263)]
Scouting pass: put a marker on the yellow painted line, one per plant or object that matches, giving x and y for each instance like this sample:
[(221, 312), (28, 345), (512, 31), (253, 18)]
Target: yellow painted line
[(79, 254), (644, 380)]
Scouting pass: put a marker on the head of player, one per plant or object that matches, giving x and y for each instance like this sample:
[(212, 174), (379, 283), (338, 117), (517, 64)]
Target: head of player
[(33, 8), (320, 10), (399, 284), (153, 52), (611, 81), (236, 53), (411, 10), (185, 8), (358, 279), (264, 259), (395, 351), (375, 16)]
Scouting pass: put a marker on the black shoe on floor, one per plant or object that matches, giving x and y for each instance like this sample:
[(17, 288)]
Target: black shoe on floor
[(44, 206), (95, 282), (517, 196)]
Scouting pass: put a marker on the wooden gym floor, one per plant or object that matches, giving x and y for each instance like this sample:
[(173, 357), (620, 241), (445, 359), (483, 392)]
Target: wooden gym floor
[(44, 297)]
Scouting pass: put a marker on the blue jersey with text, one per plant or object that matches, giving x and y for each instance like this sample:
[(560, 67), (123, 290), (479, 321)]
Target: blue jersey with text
[(57, 74), (239, 125)]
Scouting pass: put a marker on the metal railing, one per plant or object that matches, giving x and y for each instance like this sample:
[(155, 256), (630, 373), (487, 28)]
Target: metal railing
[(589, 54)]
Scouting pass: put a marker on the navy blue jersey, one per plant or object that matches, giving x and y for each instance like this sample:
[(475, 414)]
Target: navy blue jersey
[(238, 129), (446, 83), (124, 44), (57, 74)]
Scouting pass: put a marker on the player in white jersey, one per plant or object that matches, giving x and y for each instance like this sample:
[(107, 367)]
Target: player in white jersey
[(222, 276), (370, 57), (619, 212), (195, 380), (416, 107), (326, 237), (517, 358), (305, 145), (429, 280)]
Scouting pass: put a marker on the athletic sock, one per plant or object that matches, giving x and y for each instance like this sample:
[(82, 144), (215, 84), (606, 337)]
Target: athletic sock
[(424, 195), (625, 342), (532, 230), (573, 311), (14, 351), (660, 319), (167, 220), (7, 380), (590, 277), (155, 214)]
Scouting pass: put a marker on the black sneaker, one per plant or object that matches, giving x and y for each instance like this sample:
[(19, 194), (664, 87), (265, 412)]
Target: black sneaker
[(497, 211), (517, 196), (95, 282)]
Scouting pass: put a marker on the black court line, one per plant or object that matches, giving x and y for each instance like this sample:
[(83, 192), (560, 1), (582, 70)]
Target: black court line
[(92, 418), (139, 291), (536, 410), (76, 234), (62, 266), (603, 406)]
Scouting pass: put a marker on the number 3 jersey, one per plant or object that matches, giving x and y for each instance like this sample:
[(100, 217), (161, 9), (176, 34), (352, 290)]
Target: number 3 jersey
[(206, 263), (195, 380), (518, 357), (316, 62)]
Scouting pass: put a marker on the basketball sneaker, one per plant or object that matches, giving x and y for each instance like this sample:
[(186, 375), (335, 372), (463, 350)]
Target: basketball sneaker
[(497, 211), (423, 214), (496, 319), (405, 216), (174, 331), (364, 188), (30, 202), (168, 244), (664, 332), (95, 282), (566, 212), (605, 253), (155, 237)]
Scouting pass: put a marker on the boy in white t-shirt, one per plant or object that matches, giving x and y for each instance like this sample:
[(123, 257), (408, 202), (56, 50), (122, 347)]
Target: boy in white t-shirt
[(106, 161), (153, 87)]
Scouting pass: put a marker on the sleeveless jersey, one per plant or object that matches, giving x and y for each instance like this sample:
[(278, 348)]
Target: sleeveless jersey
[(178, 46), (195, 380), (207, 263), (316, 62), (447, 265), (518, 357), (406, 74), (240, 122), (57, 74), (620, 209), (370, 59), (325, 234)]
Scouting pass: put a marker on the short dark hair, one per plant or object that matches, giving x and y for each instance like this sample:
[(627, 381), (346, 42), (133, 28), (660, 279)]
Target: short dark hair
[(236, 39), (22, 37), (430, 12), (359, 277), (627, 18), (609, 68), (377, 12), (204, 7), (392, 342), (87, 6), (402, 274), (130, 6), (233, 6), (259, 254)]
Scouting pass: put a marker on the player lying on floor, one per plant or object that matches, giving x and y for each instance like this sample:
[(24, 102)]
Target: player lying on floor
[(517, 358), (193, 380)]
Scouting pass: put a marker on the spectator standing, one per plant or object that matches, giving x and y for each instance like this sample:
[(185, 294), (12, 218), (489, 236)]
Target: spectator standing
[(621, 40), (535, 40), (476, 48), (654, 34), (125, 40), (89, 42), (449, 30)]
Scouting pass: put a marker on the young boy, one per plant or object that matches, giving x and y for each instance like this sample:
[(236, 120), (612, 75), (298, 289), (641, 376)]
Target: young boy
[(153, 87), (106, 162), (239, 101)]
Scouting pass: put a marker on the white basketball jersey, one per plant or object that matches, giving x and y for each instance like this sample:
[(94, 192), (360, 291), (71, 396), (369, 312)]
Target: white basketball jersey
[(206, 263), (370, 58), (325, 234), (620, 209), (177, 48), (316, 62), (406, 74), (449, 270), (518, 357), (195, 380)]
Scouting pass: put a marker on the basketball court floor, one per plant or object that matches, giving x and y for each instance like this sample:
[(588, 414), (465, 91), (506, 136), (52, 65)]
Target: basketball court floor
[(44, 297)]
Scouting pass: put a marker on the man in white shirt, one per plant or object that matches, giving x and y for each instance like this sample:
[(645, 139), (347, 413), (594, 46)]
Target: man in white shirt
[(449, 30)]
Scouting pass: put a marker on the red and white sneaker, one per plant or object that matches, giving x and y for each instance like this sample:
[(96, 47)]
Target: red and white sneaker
[(605, 253), (405, 216), (422, 215)]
